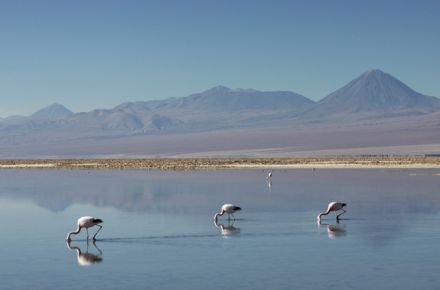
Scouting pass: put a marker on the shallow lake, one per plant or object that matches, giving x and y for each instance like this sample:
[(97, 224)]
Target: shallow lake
[(159, 232)]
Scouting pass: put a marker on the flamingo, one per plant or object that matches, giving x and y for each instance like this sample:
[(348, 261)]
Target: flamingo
[(333, 206), (269, 175), (229, 209), (86, 222)]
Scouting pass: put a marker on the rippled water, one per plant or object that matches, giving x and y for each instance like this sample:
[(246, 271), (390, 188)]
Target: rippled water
[(159, 233)]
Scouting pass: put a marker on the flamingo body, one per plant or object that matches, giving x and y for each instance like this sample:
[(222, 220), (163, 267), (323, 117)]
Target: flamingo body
[(335, 206), (230, 208), (88, 221)]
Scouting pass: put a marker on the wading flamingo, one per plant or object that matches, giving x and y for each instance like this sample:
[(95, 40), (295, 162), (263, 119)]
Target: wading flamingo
[(86, 222), (229, 209), (333, 206), (269, 175)]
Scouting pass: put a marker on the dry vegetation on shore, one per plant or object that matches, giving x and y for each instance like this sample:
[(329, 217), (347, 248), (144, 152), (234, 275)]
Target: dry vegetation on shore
[(224, 163)]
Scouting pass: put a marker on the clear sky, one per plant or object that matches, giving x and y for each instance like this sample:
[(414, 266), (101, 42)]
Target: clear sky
[(97, 54)]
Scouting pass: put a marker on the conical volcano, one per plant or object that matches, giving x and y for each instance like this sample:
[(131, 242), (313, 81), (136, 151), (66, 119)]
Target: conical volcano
[(375, 92)]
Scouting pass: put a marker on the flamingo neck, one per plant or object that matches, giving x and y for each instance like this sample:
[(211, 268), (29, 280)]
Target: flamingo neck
[(218, 214), (323, 213), (73, 248), (73, 233)]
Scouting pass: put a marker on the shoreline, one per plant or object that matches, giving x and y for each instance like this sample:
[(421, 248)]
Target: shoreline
[(354, 162)]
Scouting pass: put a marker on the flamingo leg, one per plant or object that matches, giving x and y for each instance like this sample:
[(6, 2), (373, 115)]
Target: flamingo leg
[(94, 236), (233, 217), (87, 229), (229, 216), (343, 211), (99, 250)]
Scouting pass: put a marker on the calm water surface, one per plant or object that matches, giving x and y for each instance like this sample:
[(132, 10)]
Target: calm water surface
[(159, 233)]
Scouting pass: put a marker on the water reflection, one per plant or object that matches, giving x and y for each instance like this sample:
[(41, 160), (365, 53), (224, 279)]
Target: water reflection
[(86, 258), (269, 184), (196, 192), (227, 230), (336, 230), (370, 194), (158, 221)]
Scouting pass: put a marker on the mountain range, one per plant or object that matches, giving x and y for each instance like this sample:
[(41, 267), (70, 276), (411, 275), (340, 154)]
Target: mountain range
[(372, 96), (219, 107)]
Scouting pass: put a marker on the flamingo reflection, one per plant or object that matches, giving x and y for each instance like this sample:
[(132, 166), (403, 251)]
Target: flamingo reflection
[(269, 184), (86, 259), (334, 230), (227, 230)]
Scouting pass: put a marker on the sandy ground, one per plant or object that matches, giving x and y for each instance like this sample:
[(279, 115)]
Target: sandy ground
[(232, 163), (24, 165)]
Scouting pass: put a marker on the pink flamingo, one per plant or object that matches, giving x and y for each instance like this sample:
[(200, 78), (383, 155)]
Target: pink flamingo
[(333, 206), (86, 222), (229, 209)]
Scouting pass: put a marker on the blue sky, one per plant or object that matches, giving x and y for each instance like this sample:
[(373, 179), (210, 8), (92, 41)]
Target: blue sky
[(97, 54)]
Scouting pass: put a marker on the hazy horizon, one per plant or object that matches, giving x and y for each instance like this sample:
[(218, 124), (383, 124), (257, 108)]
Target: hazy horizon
[(97, 55)]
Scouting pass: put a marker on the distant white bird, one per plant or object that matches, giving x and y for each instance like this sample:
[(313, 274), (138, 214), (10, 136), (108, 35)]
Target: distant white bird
[(269, 175), (333, 206), (229, 209), (86, 222)]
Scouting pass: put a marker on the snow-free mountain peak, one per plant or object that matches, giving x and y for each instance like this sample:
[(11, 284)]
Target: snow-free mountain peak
[(217, 90), (224, 99), (52, 112), (375, 91), (374, 71)]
